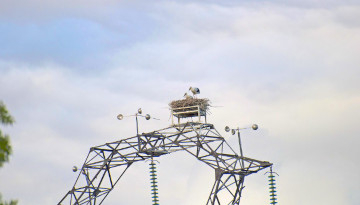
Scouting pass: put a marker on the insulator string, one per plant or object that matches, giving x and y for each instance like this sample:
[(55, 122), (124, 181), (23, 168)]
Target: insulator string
[(272, 187), (153, 181)]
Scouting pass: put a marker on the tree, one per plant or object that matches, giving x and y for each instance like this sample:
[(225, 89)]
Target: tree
[(5, 147), (12, 202)]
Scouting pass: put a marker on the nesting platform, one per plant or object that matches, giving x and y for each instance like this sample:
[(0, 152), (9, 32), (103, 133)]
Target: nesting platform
[(188, 108)]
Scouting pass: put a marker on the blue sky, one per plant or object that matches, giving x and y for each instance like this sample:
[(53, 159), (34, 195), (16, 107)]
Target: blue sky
[(68, 68)]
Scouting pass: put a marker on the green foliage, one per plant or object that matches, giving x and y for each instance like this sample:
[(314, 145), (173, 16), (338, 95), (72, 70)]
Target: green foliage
[(5, 149), (12, 202), (5, 117)]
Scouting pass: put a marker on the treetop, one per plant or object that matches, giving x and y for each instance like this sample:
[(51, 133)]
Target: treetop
[(5, 117)]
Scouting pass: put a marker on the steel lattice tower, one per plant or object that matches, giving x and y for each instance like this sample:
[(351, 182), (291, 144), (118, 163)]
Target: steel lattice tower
[(106, 164)]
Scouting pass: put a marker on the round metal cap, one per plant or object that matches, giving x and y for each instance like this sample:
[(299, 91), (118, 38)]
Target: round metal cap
[(254, 126), (232, 131), (120, 117), (139, 111), (74, 169), (147, 117), (227, 128)]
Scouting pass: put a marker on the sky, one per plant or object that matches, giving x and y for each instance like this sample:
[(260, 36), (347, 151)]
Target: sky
[(68, 68)]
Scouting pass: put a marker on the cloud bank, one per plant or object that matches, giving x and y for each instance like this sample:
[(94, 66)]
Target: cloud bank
[(67, 69)]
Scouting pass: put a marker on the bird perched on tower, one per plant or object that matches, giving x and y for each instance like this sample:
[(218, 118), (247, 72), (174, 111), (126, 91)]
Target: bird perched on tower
[(194, 90)]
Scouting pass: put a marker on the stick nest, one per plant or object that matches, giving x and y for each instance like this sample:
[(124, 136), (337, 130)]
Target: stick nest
[(204, 103)]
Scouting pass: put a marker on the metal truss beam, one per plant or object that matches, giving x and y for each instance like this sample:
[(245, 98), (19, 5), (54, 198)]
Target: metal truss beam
[(107, 163)]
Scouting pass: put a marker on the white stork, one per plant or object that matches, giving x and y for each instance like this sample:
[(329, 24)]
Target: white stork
[(194, 90), (187, 96)]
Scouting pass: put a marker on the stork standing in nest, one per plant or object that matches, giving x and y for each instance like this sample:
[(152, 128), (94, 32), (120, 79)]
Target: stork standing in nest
[(187, 96), (194, 91)]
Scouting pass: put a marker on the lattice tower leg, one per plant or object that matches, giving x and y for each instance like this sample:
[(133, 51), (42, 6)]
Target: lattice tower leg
[(226, 189)]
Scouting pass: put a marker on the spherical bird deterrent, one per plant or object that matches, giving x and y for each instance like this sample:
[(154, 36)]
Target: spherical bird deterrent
[(254, 126), (120, 117)]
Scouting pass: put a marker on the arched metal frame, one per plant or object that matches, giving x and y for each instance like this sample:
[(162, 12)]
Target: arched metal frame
[(106, 164)]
